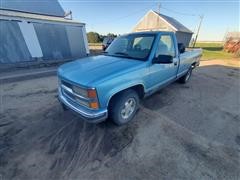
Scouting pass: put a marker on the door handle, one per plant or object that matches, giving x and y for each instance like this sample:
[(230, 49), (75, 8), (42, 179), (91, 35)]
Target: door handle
[(175, 63)]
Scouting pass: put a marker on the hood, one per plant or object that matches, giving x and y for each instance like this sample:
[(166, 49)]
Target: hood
[(96, 68)]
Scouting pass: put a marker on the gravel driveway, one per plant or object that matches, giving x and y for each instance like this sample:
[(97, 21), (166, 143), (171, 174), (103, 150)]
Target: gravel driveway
[(189, 131)]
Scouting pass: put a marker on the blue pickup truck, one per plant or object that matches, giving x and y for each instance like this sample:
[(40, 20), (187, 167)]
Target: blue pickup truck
[(134, 66)]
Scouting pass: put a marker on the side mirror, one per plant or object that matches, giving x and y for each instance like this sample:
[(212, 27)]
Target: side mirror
[(181, 48), (163, 59)]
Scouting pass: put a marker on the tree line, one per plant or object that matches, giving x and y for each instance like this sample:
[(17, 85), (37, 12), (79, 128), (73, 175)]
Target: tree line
[(94, 37)]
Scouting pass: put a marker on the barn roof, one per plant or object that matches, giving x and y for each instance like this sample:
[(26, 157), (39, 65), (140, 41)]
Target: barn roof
[(46, 7), (15, 15), (174, 23)]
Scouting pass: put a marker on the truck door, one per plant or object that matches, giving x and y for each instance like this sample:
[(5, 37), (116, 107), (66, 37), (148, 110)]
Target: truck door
[(164, 73)]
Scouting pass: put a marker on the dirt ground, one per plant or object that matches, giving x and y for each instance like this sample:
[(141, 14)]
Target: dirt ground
[(189, 131)]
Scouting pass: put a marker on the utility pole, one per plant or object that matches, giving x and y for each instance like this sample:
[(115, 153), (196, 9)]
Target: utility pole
[(159, 7), (199, 26)]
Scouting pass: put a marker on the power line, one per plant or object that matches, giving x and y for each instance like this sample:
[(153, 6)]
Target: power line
[(140, 10), (185, 14), (126, 16)]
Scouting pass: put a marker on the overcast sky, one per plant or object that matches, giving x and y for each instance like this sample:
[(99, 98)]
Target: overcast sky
[(120, 16)]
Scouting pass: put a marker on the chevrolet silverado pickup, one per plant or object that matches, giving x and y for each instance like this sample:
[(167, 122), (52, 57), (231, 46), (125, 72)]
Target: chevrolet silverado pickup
[(134, 66)]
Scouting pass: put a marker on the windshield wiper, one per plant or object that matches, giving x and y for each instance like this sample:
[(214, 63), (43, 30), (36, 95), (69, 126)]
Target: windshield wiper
[(122, 53), (105, 53)]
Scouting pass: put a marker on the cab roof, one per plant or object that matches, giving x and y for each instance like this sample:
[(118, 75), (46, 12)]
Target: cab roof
[(150, 32)]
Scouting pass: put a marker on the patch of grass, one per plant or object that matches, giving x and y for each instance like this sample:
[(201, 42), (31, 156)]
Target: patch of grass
[(213, 51)]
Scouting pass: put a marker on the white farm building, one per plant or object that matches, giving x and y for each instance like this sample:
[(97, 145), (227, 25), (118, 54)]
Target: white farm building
[(154, 21)]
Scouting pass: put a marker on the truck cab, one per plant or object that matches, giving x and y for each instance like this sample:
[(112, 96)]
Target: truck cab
[(134, 66)]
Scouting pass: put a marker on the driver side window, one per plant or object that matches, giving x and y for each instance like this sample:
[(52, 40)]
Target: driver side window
[(165, 46)]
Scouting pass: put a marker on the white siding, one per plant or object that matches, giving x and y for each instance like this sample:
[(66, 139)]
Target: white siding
[(31, 39), (85, 39), (76, 41)]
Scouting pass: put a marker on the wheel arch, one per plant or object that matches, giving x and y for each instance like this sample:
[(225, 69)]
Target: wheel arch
[(139, 88)]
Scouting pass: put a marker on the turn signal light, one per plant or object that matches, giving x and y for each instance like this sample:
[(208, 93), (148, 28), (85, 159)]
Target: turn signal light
[(94, 105), (92, 93)]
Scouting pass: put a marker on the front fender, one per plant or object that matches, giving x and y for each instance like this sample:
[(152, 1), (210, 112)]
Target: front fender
[(121, 88), (113, 85), (105, 94)]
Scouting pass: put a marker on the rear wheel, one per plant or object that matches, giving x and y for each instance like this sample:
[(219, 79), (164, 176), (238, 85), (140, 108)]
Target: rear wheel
[(124, 107), (186, 77)]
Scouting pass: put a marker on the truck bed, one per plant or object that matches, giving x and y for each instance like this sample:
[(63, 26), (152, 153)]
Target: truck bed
[(192, 52)]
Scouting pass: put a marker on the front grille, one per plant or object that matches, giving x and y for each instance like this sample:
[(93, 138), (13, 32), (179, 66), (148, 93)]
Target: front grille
[(67, 84), (71, 95)]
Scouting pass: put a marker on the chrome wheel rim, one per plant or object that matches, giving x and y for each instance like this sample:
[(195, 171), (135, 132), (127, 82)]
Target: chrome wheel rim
[(128, 108)]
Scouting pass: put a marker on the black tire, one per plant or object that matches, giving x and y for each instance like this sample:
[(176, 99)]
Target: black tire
[(118, 107), (186, 77)]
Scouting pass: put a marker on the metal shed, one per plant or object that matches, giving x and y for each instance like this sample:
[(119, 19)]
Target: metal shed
[(40, 34), (154, 21), (46, 7)]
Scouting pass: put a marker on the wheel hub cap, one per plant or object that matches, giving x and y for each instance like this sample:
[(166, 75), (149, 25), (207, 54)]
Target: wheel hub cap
[(128, 108)]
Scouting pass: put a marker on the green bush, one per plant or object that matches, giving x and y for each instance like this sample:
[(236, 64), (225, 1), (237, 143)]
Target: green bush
[(93, 37)]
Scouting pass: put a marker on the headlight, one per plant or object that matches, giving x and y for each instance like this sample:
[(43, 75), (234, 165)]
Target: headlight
[(82, 102), (80, 91), (87, 93), (90, 94)]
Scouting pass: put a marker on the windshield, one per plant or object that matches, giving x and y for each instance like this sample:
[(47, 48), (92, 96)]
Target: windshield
[(134, 46)]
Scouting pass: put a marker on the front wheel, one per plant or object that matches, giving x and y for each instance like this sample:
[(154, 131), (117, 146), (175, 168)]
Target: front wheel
[(124, 107), (186, 77)]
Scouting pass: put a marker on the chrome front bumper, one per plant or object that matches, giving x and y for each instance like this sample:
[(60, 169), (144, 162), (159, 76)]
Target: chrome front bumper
[(93, 116)]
